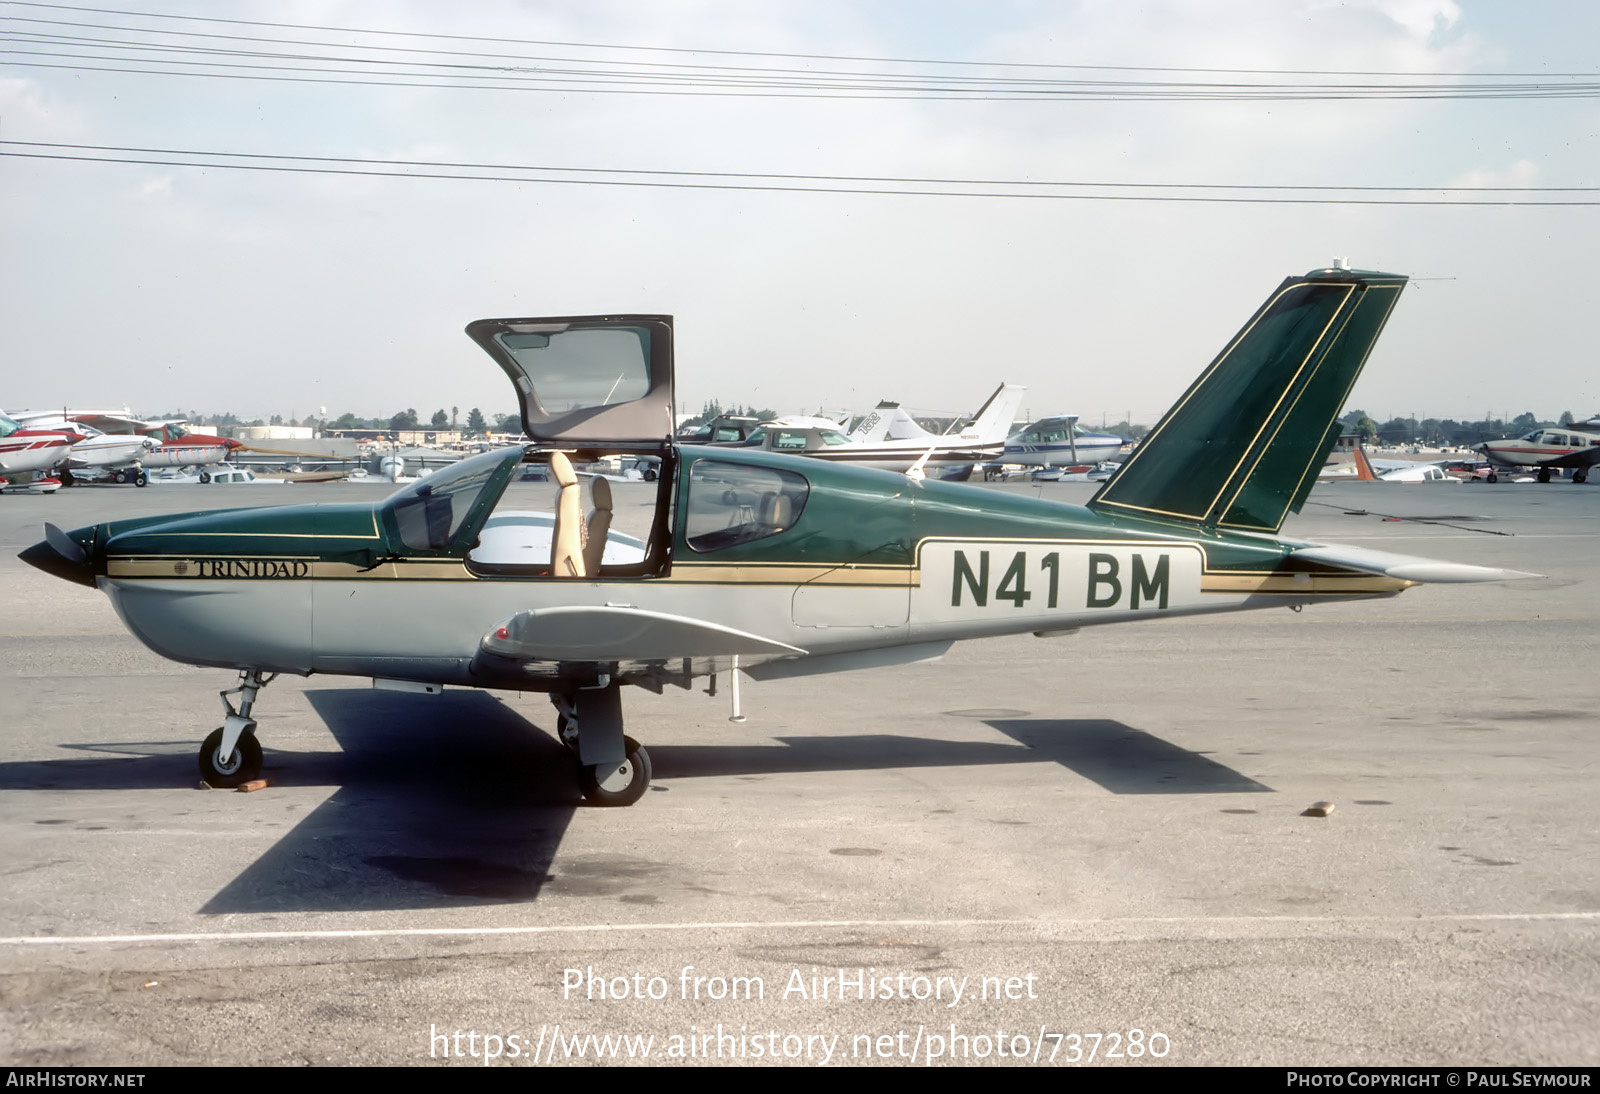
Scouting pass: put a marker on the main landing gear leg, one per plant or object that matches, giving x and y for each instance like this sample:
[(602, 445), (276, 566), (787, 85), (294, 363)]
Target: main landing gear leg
[(613, 769), (231, 755)]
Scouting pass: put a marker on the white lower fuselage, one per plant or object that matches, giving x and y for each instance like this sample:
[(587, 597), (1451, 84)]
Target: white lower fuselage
[(110, 450), (28, 451), (178, 454)]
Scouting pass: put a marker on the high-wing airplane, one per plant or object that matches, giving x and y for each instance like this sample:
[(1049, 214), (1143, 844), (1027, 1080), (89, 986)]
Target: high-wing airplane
[(28, 454), (1060, 442), (888, 439), (176, 445), (119, 454), (753, 561), (1558, 448)]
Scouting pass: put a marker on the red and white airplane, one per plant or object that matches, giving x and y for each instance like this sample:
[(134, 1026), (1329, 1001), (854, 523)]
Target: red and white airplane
[(117, 454), (171, 443), (28, 455)]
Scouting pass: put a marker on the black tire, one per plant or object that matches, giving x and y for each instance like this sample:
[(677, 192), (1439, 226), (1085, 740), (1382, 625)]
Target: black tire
[(1493, 477), (205, 476), (636, 771), (1544, 474), (245, 765), (1580, 475), (143, 479)]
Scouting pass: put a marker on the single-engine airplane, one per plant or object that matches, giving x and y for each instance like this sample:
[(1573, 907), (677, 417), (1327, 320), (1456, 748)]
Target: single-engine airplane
[(1060, 442), (754, 561)]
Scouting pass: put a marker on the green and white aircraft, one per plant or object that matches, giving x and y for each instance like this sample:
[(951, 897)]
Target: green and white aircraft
[(758, 562)]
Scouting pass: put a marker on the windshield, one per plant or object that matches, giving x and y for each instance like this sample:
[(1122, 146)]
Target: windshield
[(429, 513), (7, 426)]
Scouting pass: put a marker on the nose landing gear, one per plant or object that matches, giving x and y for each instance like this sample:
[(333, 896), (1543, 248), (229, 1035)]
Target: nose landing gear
[(231, 755)]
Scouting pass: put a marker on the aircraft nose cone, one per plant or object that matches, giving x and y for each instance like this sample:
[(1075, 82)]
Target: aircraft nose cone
[(59, 555)]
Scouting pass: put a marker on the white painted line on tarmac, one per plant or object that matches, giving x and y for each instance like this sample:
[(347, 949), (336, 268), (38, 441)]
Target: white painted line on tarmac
[(807, 924)]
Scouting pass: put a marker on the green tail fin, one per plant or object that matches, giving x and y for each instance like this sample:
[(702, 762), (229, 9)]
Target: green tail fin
[(1242, 448)]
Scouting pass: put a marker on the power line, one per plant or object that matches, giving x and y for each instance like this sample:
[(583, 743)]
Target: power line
[(770, 183), (843, 92), (369, 64), (930, 180), (760, 53)]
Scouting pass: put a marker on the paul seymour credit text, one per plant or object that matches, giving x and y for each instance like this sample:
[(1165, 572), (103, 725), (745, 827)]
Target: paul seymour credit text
[(924, 1042)]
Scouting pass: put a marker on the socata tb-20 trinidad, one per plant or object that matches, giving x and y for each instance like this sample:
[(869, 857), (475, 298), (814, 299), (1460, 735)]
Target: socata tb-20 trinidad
[(758, 562)]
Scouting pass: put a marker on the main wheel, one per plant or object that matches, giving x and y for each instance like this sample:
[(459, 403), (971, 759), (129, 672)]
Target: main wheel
[(143, 479), (1544, 474), (1493, 477), (235, 770), (205, 476), (622, 785), (1580, 475)]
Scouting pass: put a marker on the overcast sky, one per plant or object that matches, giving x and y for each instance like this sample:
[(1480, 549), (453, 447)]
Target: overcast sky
[(161, 287)]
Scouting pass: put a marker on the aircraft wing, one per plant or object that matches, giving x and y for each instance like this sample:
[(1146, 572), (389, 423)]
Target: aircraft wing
[(621, 634), (1403, 567), (107, 421), (1584, 457)]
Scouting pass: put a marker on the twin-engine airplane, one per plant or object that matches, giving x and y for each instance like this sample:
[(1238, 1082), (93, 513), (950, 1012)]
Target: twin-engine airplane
[(754, 561), (1563, 448)]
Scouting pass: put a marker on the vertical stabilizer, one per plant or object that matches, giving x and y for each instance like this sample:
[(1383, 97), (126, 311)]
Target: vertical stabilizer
[(1243, 446), (997, 416), (874, 425)]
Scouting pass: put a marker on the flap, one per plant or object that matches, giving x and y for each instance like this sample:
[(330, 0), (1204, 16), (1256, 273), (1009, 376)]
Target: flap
[(620, 634)]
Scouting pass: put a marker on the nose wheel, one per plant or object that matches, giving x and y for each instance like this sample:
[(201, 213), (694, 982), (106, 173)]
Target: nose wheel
[(236, 769), (231, 755)]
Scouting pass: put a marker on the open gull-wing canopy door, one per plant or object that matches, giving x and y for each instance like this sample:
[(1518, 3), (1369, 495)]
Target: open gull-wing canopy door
[(588, 378)]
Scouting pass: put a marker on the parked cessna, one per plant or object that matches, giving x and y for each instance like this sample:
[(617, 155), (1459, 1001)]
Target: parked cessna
[(754, 561), (27, 455), (1060, 442), (120, 455), (176, 445), (1560, 448)]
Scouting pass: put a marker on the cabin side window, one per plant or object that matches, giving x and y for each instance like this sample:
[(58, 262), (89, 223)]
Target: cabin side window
[(732, 503)]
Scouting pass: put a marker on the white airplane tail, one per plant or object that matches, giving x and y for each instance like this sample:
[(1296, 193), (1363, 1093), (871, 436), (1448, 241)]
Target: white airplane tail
[(874, 425), (995, 419), (903, 427)]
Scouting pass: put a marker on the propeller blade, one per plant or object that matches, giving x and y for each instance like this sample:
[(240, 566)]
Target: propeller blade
[(64, 545)]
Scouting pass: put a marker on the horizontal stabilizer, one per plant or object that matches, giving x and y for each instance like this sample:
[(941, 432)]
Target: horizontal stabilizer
[(621, 634), (1404, 567)]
